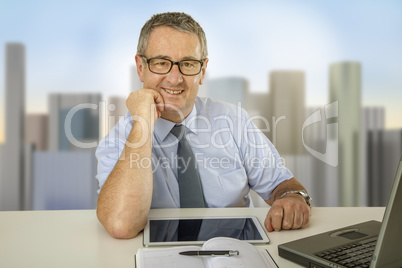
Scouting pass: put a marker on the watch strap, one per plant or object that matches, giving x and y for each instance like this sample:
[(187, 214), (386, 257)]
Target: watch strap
[(303, 193)]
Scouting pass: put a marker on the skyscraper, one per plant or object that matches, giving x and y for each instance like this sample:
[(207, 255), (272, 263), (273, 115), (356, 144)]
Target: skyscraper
[(373, 124), (116, 109), (229, 89), (258, 109), (345, 87), (73, 121), (287, 110), (36, 131), (11, 177), (64, 180)]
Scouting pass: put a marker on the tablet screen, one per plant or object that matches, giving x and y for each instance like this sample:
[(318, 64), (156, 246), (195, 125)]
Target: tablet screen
[(175, 230)]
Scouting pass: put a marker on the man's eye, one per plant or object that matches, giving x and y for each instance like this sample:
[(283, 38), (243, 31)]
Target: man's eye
[(188, 64)]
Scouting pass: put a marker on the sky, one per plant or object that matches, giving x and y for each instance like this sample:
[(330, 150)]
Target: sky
[(89, 46)]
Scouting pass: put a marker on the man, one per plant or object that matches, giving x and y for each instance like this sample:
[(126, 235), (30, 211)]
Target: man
[(138, 162)]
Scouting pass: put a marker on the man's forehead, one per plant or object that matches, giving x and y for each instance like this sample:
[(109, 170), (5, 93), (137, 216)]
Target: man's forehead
[(164, 38), (167, 32)]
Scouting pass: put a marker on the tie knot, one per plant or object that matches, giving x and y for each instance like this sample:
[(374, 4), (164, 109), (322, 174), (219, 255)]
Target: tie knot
[(179, 131)]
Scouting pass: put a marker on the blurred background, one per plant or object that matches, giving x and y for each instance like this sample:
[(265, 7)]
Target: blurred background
[(322, 79)]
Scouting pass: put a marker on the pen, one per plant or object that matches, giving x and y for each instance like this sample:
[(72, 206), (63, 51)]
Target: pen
[(226, 253)]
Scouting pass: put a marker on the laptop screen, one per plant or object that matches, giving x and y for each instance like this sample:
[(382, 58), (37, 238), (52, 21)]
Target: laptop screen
[(388, 250)]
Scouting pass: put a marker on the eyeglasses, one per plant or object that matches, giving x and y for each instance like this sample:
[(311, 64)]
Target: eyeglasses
[(163, 66)]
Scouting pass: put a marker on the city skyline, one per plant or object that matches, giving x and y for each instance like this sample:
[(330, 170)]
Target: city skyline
[(30, 180), (93, 50), (244, 101)]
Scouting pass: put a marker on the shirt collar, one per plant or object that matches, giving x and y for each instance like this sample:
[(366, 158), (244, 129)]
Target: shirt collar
[(163, 126)]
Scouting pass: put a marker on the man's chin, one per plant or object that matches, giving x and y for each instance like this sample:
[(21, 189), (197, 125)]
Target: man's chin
[(172, 109)]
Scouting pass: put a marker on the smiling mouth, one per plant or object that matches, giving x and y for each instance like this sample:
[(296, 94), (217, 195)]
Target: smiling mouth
[(173, 92)]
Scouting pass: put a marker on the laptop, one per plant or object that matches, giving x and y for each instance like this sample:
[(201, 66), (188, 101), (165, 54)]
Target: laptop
[(368, 244)]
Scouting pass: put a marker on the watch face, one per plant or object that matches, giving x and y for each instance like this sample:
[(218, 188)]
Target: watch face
[(302, 193), (306, 196)]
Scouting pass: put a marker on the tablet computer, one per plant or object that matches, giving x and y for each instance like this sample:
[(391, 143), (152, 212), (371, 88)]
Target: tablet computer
[(191, 230)]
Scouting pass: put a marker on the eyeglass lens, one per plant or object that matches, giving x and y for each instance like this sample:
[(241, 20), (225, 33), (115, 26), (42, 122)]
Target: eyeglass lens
[(163, 66)]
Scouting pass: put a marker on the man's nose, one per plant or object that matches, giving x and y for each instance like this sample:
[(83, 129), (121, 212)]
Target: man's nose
[(175, 76)]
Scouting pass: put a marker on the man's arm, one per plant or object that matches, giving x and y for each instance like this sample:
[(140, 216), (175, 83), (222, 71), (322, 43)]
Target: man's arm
[(290, 211), (125, 198)]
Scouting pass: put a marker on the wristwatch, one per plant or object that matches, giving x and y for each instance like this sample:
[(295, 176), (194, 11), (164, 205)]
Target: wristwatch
[(302, 193)]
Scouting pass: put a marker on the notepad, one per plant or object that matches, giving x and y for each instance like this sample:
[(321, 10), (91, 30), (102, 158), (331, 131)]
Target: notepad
[(249, 256)]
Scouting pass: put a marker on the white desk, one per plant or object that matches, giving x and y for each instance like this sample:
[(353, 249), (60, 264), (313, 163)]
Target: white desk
[(76, 238)]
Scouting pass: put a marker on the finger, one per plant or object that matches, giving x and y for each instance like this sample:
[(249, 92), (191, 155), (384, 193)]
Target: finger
[(277, 218), (158, 99), (268, 223), (298, 220), (288, 219), (306, 218)]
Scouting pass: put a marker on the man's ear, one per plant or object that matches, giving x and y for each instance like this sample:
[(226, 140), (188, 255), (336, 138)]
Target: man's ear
[(140, 67), (204, 68)]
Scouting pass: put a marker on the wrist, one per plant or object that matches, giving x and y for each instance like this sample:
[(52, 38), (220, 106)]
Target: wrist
[(298, 194)]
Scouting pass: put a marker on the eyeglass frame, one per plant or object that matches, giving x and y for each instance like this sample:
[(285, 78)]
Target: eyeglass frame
[(172, 63)]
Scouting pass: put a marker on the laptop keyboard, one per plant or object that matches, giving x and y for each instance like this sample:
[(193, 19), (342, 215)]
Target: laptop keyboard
[(351, 255)]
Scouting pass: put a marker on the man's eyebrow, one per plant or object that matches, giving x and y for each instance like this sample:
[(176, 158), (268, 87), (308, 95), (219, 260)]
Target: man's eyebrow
[(161, 56), (167, 57), (189, 58)]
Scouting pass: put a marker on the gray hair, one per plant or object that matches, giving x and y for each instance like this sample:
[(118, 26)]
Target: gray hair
[(176, 20)]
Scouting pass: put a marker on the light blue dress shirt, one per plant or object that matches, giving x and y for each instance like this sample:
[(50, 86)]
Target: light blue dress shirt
[(233, 156)]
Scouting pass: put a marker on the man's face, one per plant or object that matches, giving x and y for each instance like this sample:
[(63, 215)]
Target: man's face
[(178, 91)]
